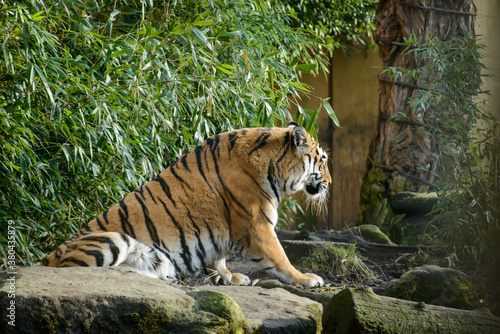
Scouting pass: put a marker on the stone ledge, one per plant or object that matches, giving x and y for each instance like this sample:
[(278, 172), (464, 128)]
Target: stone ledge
[(118, 300)]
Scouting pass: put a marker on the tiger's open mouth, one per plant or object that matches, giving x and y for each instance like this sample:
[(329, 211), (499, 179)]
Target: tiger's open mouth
[(314, 190)]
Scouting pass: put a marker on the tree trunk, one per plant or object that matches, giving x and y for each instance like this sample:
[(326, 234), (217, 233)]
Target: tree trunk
[(403, 156), (362, 311)]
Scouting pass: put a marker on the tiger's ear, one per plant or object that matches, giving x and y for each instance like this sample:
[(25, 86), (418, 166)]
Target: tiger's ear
[(299, 139), (292, 125)]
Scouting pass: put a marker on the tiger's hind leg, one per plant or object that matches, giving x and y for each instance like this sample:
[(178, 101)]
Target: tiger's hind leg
[(103, 249), (228, 277)]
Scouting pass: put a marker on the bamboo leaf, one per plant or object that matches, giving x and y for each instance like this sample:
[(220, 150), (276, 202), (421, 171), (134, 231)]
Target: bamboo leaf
[(306, 68), (203, 23), (331, 113), (199, 36)]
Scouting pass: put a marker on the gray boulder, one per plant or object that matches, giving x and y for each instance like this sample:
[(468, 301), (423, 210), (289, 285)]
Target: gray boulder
[(118, 300), (436, 285)]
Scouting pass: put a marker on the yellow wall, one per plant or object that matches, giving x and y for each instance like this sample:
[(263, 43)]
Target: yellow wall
[(355, 100), (353, 88)]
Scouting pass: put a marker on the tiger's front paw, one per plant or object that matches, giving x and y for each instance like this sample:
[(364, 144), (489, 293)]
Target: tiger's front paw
[(311, 280), (240, 279)]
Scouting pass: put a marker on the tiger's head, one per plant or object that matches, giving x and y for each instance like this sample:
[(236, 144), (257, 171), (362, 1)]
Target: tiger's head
[(314, 177)]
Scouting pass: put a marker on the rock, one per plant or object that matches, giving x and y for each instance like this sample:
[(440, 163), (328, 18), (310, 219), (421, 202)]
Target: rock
[(274, 310), (359, 310), (432, 284), (413, 203), (372, 233), (415, 212), (320, 297), (118, 300)]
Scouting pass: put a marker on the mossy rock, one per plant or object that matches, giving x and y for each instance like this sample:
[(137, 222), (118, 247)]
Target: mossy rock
[(373, 234), (222, 306), (439, 286), (412, 203)]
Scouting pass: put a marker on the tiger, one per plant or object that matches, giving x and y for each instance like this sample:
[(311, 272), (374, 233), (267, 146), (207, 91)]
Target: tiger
[(219, 199)]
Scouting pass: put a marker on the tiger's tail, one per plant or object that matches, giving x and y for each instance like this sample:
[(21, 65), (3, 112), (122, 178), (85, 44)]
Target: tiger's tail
[(105, 249)]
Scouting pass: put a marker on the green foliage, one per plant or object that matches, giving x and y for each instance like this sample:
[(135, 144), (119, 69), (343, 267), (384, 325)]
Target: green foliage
[(97, 97), (467, 213), (288, 211), (338, 23), (333, 262)]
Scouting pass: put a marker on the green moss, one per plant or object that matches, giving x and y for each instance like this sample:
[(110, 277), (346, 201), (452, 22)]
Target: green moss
[(48, 322), (314, 322), (230, 316), (373, 234), (86, 326), (150, 320), (374, 203)]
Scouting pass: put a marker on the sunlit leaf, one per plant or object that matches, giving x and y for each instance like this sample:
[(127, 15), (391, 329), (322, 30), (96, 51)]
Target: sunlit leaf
[(331, 113)]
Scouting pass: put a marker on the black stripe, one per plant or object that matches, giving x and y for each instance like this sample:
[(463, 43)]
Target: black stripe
[(165, 187), (87, 228), (126, 226), (186, 253), (126, 238), (210, 142), (268, 268), (267, 218), (264, 193), (105, 217), (206, 161), (140, 191), (200, 251), (92, 246), (227, 213), (262, 142), (216, 165), (235, 200), (101, 226), (184, 162), (150, 194), (212, 238), (179, 178), (213, 143), (101, 239), (75, 261), (270, 178), (197, 152), (257, 260), (232, 139), (167, 255), (156, 259), (286, 147), (97, 254), (153, 233)]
